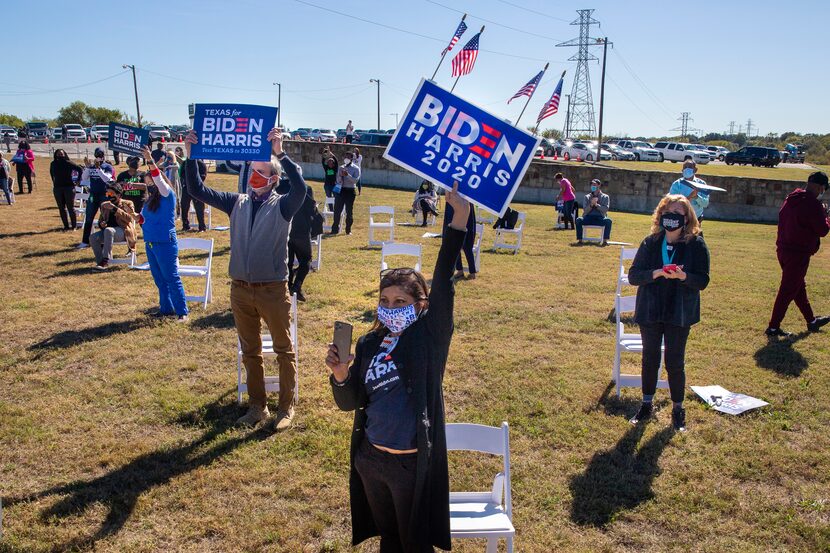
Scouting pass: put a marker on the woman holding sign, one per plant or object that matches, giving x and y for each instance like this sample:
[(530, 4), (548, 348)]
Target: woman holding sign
[(399, 483), (670, 269)]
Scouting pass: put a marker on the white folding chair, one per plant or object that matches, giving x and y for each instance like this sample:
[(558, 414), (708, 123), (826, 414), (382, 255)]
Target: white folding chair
[(381, 225), (328, 214), (502, 234), (485, 217), (199, 271), (396, 248), (626, 254), (317, 246), (192, 221), (81, 198), (129, 260), (630, 342), (593, 233), (272, 383), (483, 514)]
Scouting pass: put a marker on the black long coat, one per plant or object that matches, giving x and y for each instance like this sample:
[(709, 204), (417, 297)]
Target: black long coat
[(421, 357)]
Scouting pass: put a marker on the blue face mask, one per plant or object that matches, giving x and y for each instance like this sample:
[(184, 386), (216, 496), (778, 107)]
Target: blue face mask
[(688, 173), (398, 319), (593, 189)]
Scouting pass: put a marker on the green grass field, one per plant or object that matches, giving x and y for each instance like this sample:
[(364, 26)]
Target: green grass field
[(116, 431), (781, 172)]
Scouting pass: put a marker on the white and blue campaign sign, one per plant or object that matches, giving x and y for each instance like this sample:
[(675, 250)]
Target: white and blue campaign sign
[(443, 139), (233, 132), (126, 139)]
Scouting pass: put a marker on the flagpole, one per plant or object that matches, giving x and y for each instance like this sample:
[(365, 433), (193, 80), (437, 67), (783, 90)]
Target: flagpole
[(536, 129), (531, 95), (458, 77), (444, 54)]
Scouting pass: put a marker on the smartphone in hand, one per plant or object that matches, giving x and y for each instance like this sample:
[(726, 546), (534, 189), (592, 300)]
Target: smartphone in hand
[(343, 340)]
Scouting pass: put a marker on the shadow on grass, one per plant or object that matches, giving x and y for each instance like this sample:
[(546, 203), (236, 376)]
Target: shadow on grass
[(612, 405), (68, 338), (617, 479), (119, 490), (89, 269), (779, 356), (45, 253), (222, 319), (28, 233)]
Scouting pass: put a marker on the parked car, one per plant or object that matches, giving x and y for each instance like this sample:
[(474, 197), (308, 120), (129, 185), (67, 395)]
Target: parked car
[(99, 132), (36, 130), (57, 134), (73, 132), (679, 151), (300, 134), (754, 155), (158, 132), (178, 132), (11, 131), (617, 153), (585, 152), (374, 139), (322, 135), (717, 152), (794, 153), (643, 151)]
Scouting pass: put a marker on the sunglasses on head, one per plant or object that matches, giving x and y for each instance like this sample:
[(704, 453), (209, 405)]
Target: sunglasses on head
[(400, 271)]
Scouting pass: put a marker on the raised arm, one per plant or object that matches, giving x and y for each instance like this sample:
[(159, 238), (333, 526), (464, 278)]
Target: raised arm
[(158, 179), (442, 296), (293, 201), (197, 189)]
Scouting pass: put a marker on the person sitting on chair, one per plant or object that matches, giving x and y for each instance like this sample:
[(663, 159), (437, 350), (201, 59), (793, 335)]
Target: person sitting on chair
[(595, 211), (117, 224), (426, 201)]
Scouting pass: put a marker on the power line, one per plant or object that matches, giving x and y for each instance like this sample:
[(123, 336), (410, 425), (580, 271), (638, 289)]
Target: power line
[(405, 31), (633, 103), (643, 85), (44, 91), (496, 23), (534, 11)]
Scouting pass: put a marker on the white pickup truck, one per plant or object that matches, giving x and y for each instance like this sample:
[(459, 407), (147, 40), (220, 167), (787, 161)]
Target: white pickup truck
[(679, 151)]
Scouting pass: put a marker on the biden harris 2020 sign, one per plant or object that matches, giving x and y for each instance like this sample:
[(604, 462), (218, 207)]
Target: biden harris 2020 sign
[(444, 139), (233, 132)]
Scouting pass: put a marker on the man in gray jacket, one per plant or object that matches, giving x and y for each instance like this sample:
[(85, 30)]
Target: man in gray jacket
[(260, 220), (595, 211), (344, 193)]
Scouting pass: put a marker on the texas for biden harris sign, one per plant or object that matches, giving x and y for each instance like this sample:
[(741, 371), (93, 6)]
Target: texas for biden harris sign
[(126, 139), (233, 132), (444, 139)]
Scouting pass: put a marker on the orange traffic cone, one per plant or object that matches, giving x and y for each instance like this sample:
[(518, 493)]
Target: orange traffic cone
[(554, 156), (579, 157), (46, 140), (88, 140), (162, 139)]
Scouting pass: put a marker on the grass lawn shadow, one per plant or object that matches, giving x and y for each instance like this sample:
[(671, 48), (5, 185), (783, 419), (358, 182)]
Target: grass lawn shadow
[(779, 356), (69, 338), (28, 233), (119, 490), (222, 319), (617, 479), (45, 253)]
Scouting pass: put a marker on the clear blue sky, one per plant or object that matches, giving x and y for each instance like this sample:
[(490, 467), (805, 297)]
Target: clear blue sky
[(719, 60)]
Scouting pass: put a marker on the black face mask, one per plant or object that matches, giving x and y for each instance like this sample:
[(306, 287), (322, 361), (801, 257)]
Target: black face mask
[(133, 165), (672, 221)]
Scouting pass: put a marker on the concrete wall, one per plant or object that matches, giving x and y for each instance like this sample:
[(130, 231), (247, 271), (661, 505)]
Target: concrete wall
[(745, 199)]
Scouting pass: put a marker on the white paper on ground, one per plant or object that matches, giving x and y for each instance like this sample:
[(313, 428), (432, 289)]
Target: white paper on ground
[(612, 243), (431, 235), (721, 399), (221, 228)]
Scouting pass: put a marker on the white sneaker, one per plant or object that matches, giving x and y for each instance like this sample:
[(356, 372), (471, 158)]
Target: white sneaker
[(81, 246)]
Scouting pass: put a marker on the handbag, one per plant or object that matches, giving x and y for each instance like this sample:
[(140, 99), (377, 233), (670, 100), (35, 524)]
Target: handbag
[(19, 158)]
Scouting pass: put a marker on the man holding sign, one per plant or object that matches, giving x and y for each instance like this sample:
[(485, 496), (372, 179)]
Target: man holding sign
[(259, 225), (443, 139)]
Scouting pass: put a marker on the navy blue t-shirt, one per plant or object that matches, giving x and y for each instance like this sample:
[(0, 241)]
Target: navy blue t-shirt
[(390, 415)]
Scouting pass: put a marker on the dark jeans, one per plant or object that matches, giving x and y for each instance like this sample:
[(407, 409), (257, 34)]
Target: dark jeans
[(92, 206), (328, 188), (568, 213), (344, 199), (675, 339), (65, 199), (4, 184), (469, 242), (348, 139), (793, 287), (426, 209), (23, 172), (593, 220), (198, 207), (389, 482), (301, 249)]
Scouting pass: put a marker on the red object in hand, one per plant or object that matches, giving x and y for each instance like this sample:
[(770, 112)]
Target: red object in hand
[(140, 219), (671, 268)]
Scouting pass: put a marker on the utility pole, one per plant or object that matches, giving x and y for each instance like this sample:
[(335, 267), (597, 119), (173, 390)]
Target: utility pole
[(731, 128), (567, 132), (378, 83), (748, 128), (582, 109), (396, 119), (135, 89), (279, 102), (601, 97)]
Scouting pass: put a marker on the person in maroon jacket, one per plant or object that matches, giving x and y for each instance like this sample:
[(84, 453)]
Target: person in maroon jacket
[(802, 221)]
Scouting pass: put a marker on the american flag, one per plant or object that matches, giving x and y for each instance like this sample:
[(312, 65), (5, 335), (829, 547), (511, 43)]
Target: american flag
[(463, 62), (552, 105), (529, 88), (458, 32)]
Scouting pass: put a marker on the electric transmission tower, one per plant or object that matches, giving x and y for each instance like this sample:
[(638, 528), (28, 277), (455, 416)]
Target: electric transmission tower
[(582, 101), (684, 124), (731, 128), (748, 128)]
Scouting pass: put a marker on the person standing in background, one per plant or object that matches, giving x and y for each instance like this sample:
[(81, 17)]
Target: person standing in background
[(63, 188), (98, 174), (802, 222), (357, 159), (686, 186), (566, 194), (344, 193), (5, 177), (24, 162), (349, 132)]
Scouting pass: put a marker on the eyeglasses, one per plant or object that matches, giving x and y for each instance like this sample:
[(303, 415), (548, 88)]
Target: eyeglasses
[(400, 271)]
